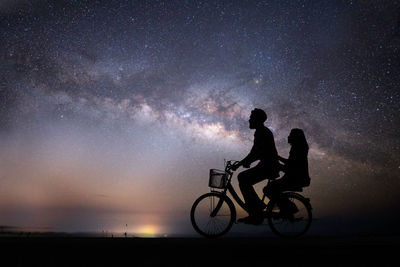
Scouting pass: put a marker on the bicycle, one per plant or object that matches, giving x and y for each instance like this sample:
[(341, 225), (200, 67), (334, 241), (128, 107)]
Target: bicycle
[(213, 214)]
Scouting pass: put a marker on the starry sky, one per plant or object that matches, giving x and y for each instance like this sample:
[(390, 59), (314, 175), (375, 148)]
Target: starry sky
[(112, 112)]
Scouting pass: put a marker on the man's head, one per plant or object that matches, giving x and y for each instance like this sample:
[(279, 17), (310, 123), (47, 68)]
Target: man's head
[(257, 118)]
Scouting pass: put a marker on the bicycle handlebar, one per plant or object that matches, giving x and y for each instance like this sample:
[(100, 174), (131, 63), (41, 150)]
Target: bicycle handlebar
[(229, 164)]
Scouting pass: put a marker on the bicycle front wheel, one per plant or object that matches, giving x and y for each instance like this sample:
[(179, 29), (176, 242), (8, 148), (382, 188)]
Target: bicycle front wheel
[(213, 214)]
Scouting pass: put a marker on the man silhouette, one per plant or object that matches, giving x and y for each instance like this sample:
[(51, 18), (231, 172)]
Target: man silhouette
[(263, 150)]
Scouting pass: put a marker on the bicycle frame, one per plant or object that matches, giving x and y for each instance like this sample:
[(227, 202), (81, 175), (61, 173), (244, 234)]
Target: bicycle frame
[(238, 200), (234, 195), (232, 191)]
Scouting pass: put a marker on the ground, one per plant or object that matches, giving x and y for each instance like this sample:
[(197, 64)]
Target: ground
[(93, 251)]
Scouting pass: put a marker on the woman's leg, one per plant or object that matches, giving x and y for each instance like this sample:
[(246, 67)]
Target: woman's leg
[(274, 191)]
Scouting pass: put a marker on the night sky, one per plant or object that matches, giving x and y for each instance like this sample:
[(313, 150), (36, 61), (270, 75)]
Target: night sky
[(112, 112)]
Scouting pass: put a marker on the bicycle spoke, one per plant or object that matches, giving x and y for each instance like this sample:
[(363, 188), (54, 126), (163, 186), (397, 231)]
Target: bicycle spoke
[(215, 225)]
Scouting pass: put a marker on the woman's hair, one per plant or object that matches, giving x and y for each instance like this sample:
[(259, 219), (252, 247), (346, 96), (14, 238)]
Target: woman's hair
[(298, 138)]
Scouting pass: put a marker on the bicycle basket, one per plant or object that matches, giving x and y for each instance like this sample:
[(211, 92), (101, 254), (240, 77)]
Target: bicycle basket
[(218, 179)]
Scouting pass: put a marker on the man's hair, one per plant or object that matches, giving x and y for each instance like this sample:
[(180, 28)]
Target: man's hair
[(259, 115)]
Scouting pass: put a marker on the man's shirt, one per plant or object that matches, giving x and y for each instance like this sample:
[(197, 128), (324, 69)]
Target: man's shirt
[(264, 150)]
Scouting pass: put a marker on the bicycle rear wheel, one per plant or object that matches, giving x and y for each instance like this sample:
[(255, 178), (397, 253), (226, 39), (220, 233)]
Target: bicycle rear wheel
[(212, 214), (293, 224)]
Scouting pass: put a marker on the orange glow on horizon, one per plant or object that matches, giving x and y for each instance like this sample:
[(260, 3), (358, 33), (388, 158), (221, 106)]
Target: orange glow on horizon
[(147, 230)]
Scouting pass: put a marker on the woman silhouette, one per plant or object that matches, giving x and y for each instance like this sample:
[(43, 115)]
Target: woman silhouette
[(295, 167)]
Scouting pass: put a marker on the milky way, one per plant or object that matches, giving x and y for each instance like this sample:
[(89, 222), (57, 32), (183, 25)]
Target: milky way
[(112, 112)]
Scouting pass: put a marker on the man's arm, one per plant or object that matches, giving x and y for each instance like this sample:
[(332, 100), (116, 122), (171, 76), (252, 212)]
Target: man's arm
[(250, 158), (254, 154)]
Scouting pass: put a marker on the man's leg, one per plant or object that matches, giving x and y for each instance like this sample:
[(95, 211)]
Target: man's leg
[(246, 180)]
